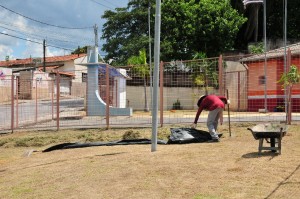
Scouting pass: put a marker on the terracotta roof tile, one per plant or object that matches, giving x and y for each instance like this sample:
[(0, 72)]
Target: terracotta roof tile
[(26, 61), (71, 74), (276, 53)]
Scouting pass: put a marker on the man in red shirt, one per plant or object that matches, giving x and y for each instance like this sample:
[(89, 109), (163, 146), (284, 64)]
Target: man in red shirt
[(215, 105)]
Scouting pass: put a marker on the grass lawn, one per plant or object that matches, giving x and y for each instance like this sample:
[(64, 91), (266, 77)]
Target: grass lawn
[(229, 169)]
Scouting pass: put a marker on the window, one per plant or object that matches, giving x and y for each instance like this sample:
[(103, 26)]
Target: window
[(262, 80), (84, 77)]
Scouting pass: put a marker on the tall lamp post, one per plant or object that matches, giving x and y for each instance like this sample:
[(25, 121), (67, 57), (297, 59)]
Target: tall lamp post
[(285, 58), (246, 2), (155, 75), (150, 51)]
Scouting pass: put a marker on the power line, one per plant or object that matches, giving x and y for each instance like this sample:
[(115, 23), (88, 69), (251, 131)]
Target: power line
[(111, 3), (35, 41), (57, 26), (36, 36), (102, 4), (42, 33)]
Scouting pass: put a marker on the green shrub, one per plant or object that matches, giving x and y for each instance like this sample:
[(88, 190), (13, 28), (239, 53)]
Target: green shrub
[(176, 105), (130, 134)]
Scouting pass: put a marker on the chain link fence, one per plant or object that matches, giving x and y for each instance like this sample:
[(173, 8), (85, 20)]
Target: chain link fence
[(37, 100)]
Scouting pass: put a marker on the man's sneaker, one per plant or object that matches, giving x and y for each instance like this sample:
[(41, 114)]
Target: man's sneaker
[(214, 140)]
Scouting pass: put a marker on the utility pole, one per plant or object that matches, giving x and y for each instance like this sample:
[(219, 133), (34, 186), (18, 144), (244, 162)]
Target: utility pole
[(96, 34), (150, 54), (44, 52), (156, 75), (285, 59), (96, 42)]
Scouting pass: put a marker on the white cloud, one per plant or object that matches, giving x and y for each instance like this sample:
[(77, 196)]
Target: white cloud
[(32, 49), (68, 13), (56, 52), (5, 51)]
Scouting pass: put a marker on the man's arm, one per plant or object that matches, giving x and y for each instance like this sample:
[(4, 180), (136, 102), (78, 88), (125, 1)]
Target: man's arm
[(198, 114)]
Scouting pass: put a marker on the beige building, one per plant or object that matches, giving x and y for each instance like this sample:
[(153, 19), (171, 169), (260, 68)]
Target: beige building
[(29, 71)]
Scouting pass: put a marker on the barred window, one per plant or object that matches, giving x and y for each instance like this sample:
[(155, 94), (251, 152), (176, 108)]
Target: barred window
[(84, 77), (262, 80)]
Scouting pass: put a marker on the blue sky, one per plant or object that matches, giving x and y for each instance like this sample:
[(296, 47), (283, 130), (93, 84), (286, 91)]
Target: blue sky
[(25, 23)]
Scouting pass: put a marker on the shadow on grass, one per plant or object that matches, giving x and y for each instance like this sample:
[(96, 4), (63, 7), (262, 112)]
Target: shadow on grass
[(283, 182), (257, 155), (108, 154)]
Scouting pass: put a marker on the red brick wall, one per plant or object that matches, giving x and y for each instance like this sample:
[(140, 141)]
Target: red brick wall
[(256, 91)]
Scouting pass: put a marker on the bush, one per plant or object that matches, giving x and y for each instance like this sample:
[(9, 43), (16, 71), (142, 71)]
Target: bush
[(176, 105), (130, 134)]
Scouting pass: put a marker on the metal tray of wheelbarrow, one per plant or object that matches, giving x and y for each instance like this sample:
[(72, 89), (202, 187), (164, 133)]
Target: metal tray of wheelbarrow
[(272, 131), (268, 130)]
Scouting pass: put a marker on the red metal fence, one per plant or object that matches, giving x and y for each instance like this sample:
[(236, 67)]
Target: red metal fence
[(61, 101)]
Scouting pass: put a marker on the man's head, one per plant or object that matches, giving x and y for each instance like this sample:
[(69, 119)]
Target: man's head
[(200, 100)]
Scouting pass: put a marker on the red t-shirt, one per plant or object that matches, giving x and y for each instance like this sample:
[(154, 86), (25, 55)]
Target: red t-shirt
[(210, 102)]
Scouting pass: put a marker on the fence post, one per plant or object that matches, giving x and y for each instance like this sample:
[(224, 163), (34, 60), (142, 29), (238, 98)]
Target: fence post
[(12, 103), (239, 91), (289, 107), (17, 103), (161, 83), (116, 82), (107, 96), (36, 106), (221, 72), (52, 99), (57, 99), (221, 86)]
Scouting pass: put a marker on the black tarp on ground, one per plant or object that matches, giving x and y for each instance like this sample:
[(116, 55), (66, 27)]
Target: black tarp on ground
[(90, 144), (188, 135), (177, 136)]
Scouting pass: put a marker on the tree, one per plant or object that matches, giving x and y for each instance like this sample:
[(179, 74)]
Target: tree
[(80, 50), (287, 80), (256, 48), (125, 31), (208, 26), (204, 73), (252, 31), (140, 67)]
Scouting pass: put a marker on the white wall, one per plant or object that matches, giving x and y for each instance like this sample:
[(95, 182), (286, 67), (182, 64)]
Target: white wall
[(188, 97)]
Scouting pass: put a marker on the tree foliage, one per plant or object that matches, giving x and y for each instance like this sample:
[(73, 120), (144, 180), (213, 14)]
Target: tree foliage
[(139, 63), (187, 27), (80, 50), (141, 68), (274, 18), (290, 78), (204, 72)]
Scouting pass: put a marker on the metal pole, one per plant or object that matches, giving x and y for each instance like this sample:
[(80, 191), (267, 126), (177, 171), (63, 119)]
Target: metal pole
[(228, 109), (289, 89), (36, 101), (57, 99), (107, 96), (265, 63), (52, 101), (221, 83), (285, 61), (156, 75), (12, 103), (44, 52), (161, 93), (96, 35), (150, 54), (17, 102)]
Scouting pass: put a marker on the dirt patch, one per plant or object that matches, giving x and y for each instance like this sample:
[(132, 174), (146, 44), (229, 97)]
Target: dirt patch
[(229, 169)]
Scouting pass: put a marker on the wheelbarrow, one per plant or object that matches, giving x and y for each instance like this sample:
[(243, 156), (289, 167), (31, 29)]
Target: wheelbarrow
[(272, 133)]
